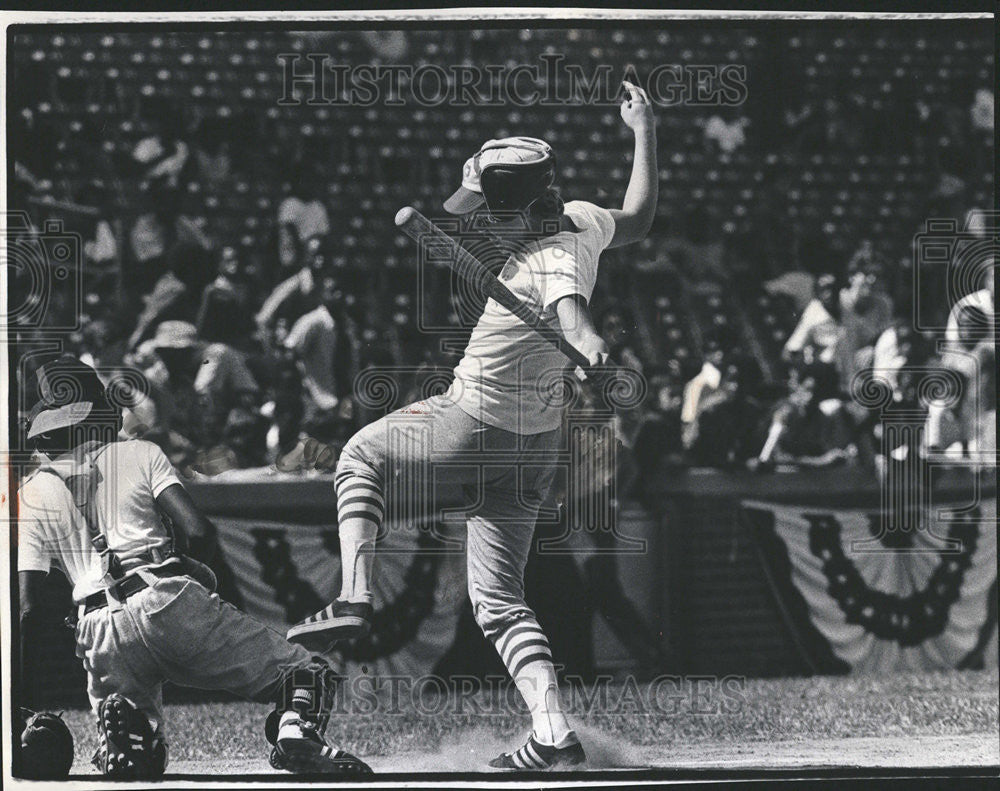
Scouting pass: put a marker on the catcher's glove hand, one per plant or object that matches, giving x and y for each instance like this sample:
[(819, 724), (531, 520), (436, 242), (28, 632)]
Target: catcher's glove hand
[(46, 746)]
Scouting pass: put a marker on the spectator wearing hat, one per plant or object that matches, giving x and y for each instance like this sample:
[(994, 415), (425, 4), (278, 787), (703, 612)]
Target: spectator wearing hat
[(193, 388)]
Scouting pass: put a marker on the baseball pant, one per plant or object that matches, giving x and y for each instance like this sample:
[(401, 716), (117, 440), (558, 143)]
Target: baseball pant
[(401, 460), (176, 630)]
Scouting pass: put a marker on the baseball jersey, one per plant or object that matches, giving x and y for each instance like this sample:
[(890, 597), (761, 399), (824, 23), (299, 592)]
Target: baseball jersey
[(508, 377), (53, 531)]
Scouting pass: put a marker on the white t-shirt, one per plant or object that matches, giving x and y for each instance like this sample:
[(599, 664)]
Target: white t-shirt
[(816, 328), (955, 356), (52, 530), (504, 376)]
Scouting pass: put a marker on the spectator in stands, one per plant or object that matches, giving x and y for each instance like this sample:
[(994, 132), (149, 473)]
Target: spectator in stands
[(815, 338), (971, 352), (168, 300), (897, 347), (287, 406), (797, 285), (810, 427), (163, 154), (658, 438), (715, 413), (193, 389), (866, 311), (321, 342), (166, 243), (971, 322), (303, 209), (968, 426), (101, 343), (616, 330), (212, 144), (100, 247), (225, 313), (296, 295)]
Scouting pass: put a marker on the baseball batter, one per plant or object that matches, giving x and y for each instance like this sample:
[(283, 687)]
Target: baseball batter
[(146, 614), (496, 431)]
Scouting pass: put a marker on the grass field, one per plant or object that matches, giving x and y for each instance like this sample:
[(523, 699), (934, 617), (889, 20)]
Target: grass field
[(927, 720)]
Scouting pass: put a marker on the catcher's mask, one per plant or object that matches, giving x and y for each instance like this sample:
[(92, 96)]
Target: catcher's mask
[(507, 175)]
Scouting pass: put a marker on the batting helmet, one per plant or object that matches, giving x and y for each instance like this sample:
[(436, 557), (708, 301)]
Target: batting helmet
[(507, 175)]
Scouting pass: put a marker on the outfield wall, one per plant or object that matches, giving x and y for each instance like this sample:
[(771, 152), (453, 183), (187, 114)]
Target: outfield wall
[(701, 580)]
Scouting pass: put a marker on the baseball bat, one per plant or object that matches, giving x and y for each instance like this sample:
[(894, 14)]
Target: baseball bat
[(423, 231)]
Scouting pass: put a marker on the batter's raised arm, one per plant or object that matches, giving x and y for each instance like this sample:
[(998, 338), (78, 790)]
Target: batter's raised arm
[(633, 220)]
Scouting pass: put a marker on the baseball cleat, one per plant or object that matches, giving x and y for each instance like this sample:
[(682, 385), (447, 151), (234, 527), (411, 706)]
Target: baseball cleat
[(127, 747), (534, 756), (299, 748), (339, 620)]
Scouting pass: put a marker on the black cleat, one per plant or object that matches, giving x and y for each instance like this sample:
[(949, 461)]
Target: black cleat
[(300, 749), (339, 620), (534, 756), (127, 747)]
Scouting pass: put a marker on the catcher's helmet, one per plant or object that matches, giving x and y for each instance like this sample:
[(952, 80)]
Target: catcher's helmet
[(507, 175)]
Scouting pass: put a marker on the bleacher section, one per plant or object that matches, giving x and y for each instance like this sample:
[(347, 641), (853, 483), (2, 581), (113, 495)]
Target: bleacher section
[(94, 94)]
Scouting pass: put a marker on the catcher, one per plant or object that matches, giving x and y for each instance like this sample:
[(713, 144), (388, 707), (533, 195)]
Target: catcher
[(145, 613)]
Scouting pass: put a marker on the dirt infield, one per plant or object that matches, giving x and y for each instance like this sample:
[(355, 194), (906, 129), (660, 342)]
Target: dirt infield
[(915, 721), (471, 756)]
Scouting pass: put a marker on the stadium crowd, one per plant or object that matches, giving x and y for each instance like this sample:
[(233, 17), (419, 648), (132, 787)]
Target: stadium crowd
[(252, 337)]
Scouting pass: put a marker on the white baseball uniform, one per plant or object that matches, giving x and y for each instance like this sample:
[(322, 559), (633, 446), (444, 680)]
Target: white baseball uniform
[(174, 629)]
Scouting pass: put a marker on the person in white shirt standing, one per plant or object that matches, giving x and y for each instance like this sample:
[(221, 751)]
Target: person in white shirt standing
[(496, 432), (145, 612)]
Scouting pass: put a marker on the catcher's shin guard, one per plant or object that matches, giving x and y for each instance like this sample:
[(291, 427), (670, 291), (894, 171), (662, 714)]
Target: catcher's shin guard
[(300, 748), (297, 726), (128, 748), (309, 691)]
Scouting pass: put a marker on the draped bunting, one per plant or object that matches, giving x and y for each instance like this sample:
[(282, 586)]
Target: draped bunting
[(286, 572), (870, 593)]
